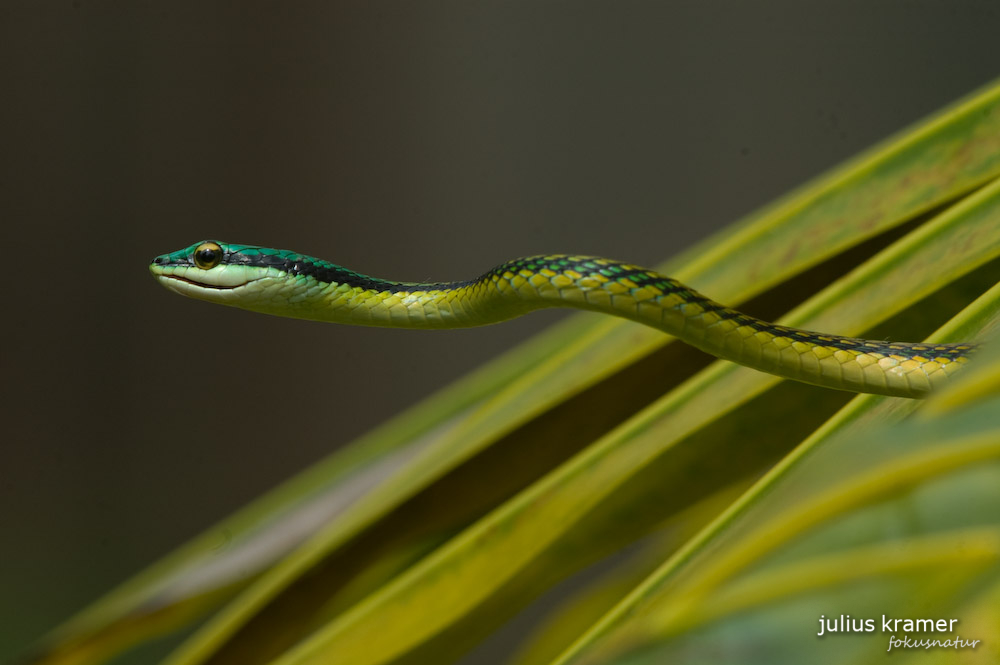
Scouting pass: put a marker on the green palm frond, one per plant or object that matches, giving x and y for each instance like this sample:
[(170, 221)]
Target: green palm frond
[(729, 509)]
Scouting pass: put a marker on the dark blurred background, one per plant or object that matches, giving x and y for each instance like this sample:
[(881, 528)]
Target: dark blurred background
[(409, 140)]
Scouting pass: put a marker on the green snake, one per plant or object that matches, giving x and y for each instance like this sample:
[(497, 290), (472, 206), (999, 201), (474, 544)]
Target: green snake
[(285, 283)]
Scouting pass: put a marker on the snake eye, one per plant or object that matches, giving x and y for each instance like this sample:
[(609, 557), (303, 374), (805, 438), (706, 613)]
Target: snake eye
[(208, 255)]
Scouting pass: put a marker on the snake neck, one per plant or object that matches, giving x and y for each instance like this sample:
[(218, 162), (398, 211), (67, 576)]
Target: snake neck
[(335, 294)]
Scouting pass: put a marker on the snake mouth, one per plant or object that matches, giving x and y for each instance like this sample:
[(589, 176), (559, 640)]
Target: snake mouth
[(203, 285)]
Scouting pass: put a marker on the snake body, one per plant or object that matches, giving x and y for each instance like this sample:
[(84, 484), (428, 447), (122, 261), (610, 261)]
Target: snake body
[(290, 284)]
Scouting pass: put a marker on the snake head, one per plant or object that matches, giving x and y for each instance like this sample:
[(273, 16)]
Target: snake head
[(210, 270), (260, 279)]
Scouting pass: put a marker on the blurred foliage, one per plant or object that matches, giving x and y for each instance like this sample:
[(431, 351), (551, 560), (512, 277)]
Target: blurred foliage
[(697, 511)]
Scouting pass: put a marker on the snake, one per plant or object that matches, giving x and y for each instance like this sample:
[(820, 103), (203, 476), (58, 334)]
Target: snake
[(290, 284)]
